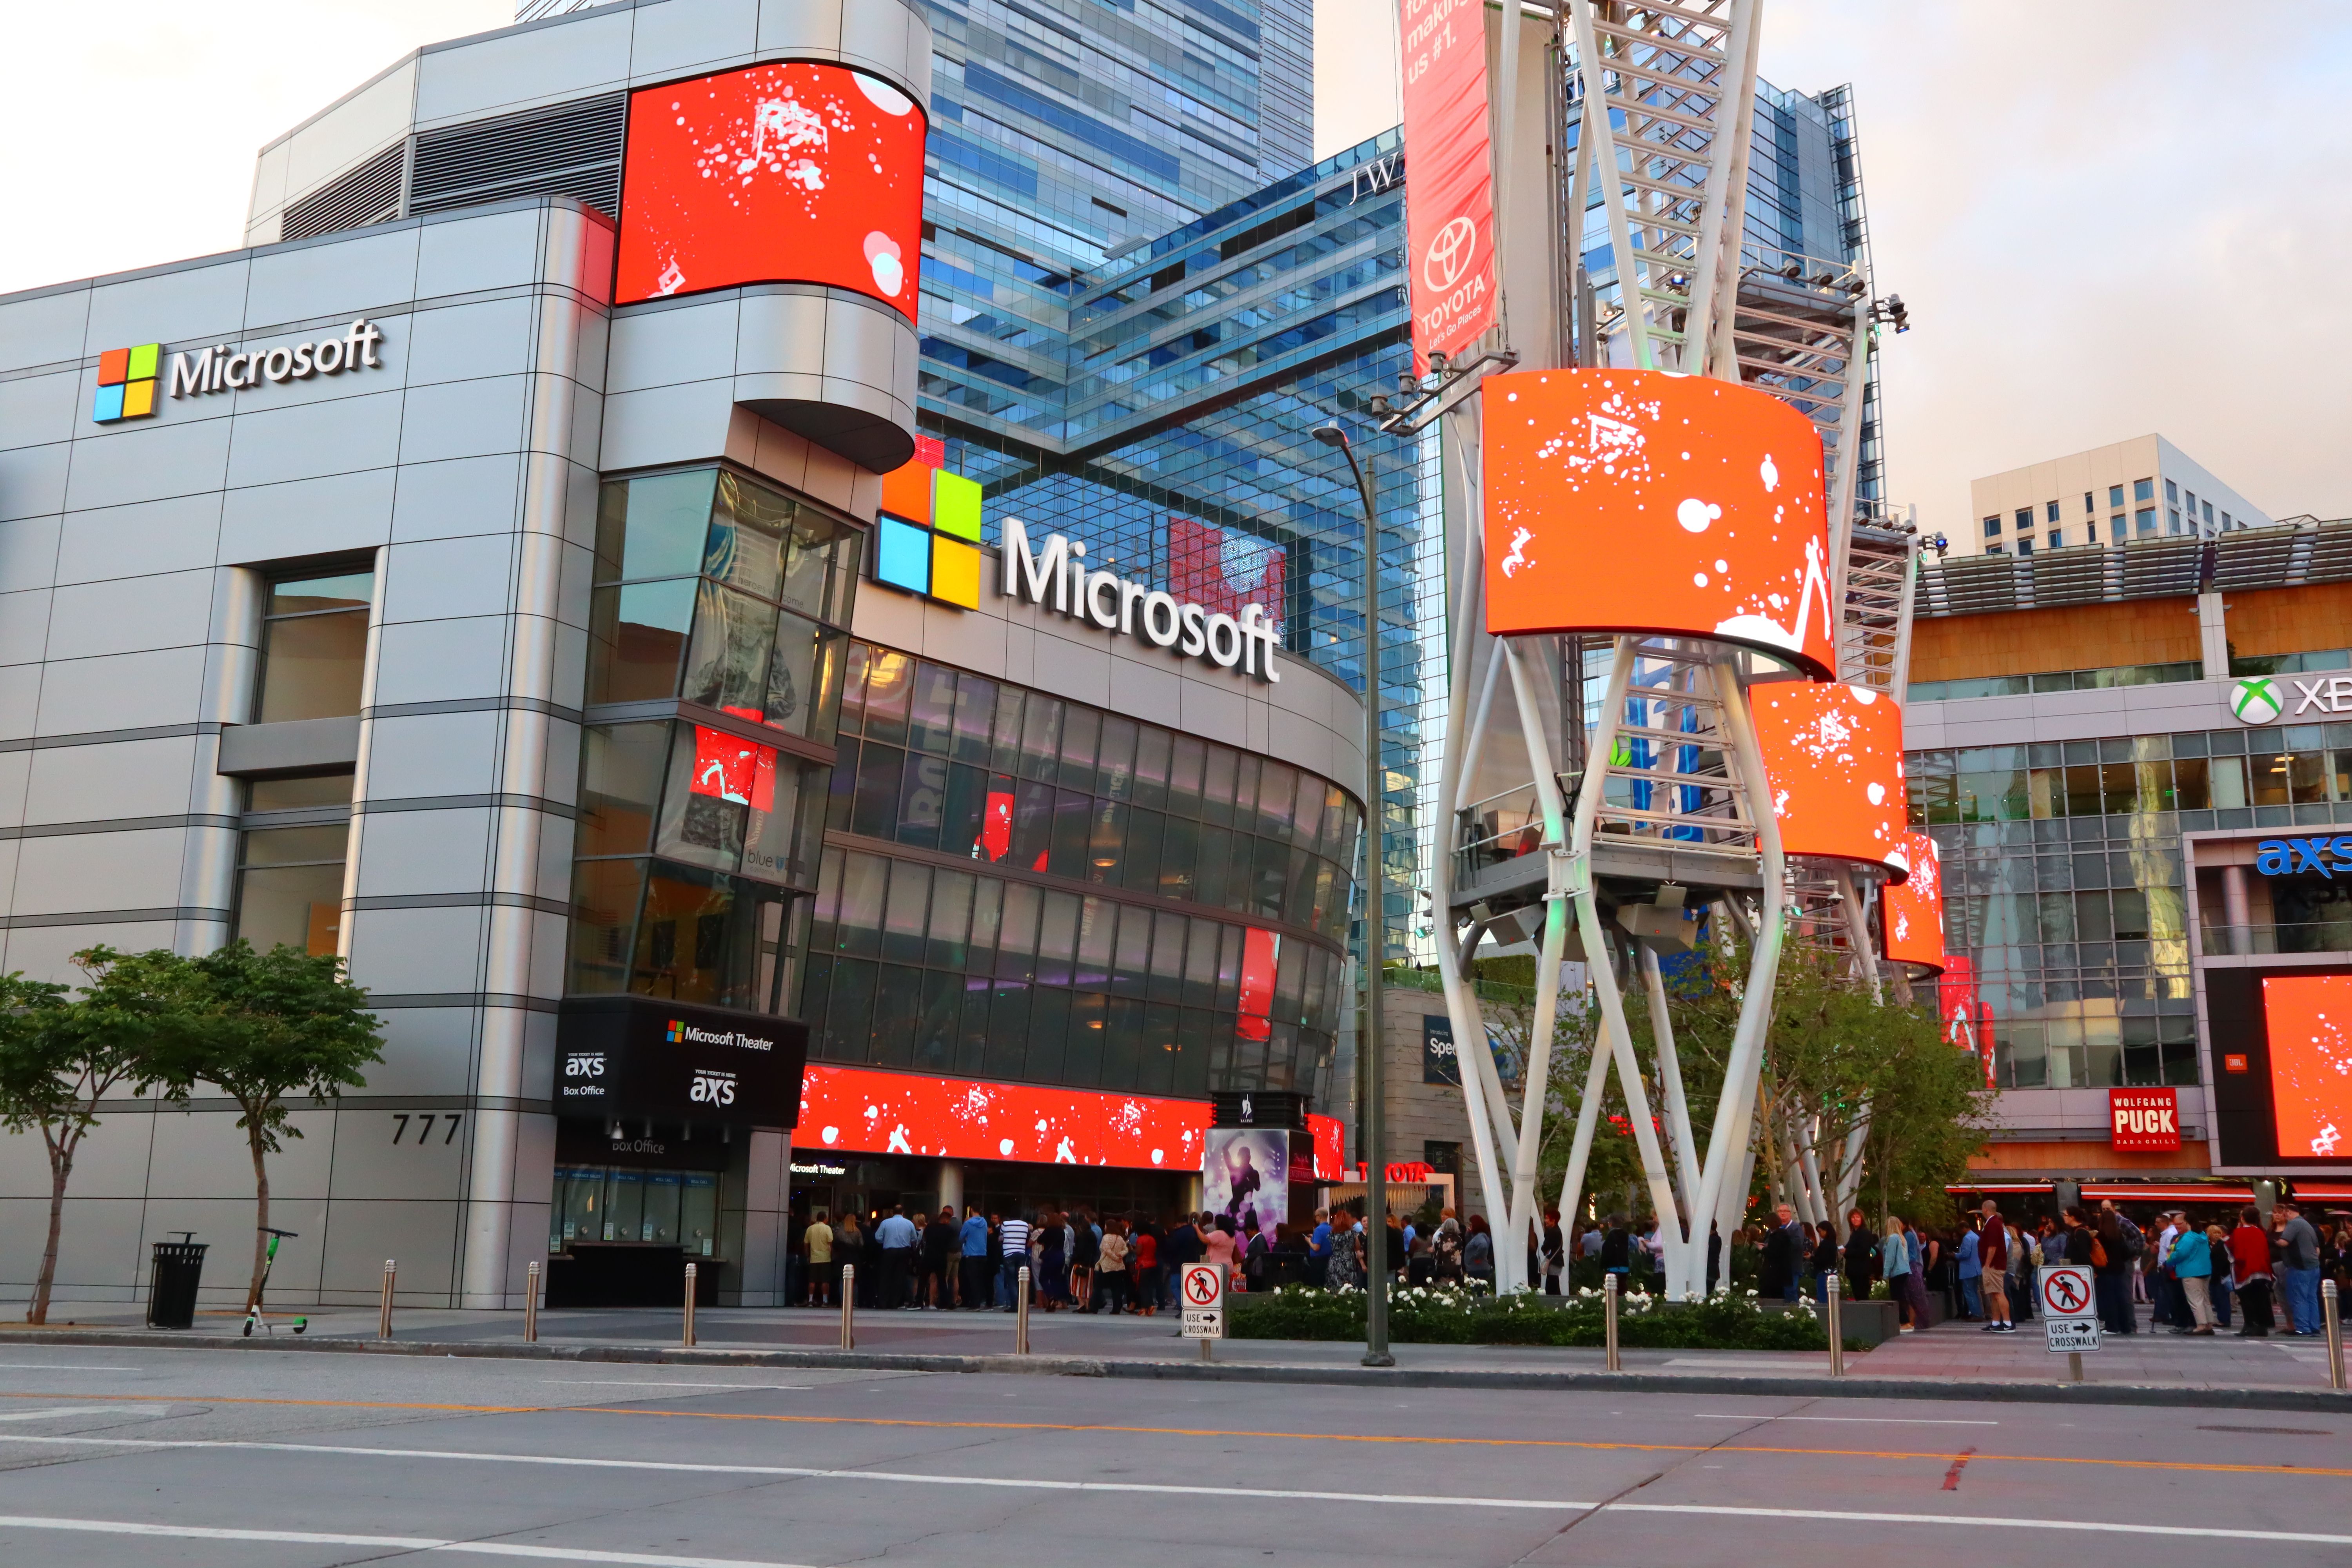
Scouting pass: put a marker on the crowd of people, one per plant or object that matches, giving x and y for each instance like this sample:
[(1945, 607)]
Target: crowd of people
[(2192, 1276), (1083, 1262)]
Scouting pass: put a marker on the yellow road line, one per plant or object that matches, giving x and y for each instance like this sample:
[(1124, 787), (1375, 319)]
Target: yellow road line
[(1945, 1457)]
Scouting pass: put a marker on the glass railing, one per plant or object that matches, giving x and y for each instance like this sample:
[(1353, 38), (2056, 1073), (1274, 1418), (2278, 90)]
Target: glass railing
[(2056, 680), (2296, 936)]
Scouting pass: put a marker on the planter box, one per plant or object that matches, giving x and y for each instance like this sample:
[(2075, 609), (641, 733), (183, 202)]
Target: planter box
[(1872, 1323)]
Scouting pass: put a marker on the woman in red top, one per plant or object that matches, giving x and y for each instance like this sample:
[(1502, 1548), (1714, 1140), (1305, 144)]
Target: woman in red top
[(2249, 1249), (1143, 1251)]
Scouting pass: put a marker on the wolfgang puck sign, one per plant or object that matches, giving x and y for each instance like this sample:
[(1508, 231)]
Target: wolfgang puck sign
[(2143, 1118)]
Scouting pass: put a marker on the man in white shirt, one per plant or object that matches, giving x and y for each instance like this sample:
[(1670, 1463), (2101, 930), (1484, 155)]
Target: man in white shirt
[(896, 1234), (1015, 1239)]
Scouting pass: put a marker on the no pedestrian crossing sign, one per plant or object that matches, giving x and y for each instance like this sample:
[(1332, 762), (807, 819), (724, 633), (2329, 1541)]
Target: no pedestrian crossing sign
[(2069, 1318), (1202, 1286)]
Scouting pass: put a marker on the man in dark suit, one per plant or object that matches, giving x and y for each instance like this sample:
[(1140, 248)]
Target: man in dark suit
[(1781, 1246)]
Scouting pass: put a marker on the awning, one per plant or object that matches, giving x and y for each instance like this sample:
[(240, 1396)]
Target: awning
[(2168, 1192), (1956, 1189), (2322, 1192)]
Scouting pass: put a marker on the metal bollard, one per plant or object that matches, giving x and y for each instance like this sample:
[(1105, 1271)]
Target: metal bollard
[(2331, 1313), (689, 1340), (1609, 1319), (1021, 1316), (1835, 1286), (849, 1306), (383, 1313), (530, 1306)]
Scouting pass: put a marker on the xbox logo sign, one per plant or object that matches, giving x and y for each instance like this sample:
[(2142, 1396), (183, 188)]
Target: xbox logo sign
[(2256, 700)]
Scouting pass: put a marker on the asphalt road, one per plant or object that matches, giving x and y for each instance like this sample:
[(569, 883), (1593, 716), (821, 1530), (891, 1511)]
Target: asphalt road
[(205, 1457)]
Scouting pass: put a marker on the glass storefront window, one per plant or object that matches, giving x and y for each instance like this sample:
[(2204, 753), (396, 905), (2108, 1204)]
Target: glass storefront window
[(313, 646), (290, 886)]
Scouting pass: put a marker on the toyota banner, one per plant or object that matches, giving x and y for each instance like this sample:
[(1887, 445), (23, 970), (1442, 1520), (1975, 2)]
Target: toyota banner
[(1450, 209)]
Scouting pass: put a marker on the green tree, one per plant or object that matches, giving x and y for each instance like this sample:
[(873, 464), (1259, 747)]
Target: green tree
[(46, 1082), (264, 1027)]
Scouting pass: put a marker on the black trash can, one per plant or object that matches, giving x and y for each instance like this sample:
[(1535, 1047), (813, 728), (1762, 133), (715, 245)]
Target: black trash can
[(172, 1288)]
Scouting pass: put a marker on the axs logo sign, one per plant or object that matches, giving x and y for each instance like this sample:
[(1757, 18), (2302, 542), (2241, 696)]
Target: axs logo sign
[(2287, 856), (583, 1072), (712, 1087)]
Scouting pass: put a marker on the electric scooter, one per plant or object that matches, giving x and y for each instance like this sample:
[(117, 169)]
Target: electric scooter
[(252, 1317)]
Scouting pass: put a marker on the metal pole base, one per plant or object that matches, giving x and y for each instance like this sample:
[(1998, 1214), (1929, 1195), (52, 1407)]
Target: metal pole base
[(1382, 1360), (2073, 1366)]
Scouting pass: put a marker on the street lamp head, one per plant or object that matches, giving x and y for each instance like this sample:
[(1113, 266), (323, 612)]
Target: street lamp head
[(1330, 435)]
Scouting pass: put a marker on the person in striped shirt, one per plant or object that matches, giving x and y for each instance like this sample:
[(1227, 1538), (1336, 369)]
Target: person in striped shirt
[(1015, 1243)]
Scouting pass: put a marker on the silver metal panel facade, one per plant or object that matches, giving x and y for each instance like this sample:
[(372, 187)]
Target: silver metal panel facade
[(463, 470)]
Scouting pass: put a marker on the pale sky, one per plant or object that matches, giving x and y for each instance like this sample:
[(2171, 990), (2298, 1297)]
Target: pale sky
[(2106, 218)]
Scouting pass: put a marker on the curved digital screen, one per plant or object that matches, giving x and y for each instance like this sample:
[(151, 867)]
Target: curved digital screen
[(795, 173), (1912, 910), (1628, 500), (1834, 754), (856, 1109), (2308, 1020)]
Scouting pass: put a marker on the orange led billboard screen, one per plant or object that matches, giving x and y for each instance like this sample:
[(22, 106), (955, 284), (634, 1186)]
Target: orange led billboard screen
[(2308, 1019), (1630, 500), (1834, 755), (1912, 910), (793, 172)]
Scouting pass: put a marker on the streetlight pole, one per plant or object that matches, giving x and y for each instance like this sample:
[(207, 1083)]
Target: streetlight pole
[(1376, 1132)]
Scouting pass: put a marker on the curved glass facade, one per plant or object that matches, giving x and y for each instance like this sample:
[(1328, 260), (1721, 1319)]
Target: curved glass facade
[(715, 644), (1020, 887)]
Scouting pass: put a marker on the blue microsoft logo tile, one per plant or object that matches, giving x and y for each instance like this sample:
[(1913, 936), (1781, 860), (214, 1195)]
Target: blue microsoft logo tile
[(902, 556)]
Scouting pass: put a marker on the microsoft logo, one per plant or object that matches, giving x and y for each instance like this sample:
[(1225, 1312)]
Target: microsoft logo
[(676, 1032), (126, 383), (928, 537)]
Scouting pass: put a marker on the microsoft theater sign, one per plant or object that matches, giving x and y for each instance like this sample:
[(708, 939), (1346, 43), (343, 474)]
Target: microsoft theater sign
[(1057, 578)]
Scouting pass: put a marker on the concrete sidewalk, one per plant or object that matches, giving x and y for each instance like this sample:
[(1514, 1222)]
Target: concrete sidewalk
[(1952, 1361)]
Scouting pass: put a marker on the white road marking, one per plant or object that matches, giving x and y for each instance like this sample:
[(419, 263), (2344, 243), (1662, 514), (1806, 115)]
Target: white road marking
[(50, 1412), (64, 1366), (1793, 1364), (1874, 1420), (388, 1542), (643, 1560)]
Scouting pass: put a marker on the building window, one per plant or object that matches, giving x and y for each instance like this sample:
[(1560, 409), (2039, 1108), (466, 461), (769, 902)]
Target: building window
[(2226, 523), (2143, 521), (2172, 493), (1994, 550), (2115, 495), (2143, 489), (2090, 534), (2208, 512), (1993, 528), (724, 601), (2116, 529), (2052, 509), (2057, 539), (2089, 505), (2173, 517), (2025, 547), (313, 646), (2024, 518)]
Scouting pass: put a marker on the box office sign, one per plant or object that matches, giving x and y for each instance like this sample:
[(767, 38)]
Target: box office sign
[(633, 1058)]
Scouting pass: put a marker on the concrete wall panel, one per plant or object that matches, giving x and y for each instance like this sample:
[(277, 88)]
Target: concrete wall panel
[(86, 871), (175, 536), (407, 953), (432, 755), (461, 496), (130, 615), (450, 577), (44, 329), (464, 419), (410, 852), (466, 343), (461, 254), (37, 409), (442, 661), (307, 517), (343, 279), (685, 36), (121, 465), (33, 480), (307, 440), (126, 691), (93, 783), (201, 304)]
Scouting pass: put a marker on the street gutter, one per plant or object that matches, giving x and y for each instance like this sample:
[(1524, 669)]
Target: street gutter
[(2256, 1397)]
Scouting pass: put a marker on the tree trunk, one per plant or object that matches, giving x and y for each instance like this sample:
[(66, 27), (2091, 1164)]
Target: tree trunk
[(60, 1168), (260, 1215)]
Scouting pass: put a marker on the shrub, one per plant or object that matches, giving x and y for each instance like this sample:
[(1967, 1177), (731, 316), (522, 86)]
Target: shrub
[(1460, 1316)]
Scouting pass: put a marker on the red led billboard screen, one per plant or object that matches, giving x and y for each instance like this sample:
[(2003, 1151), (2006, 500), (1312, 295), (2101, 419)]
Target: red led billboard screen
[(793, 172)]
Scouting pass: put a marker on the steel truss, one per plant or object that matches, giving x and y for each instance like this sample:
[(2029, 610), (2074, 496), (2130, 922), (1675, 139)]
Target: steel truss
[(1671, 775)]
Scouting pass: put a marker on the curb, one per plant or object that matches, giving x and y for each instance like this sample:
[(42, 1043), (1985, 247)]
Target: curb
[(2313, 1400)]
